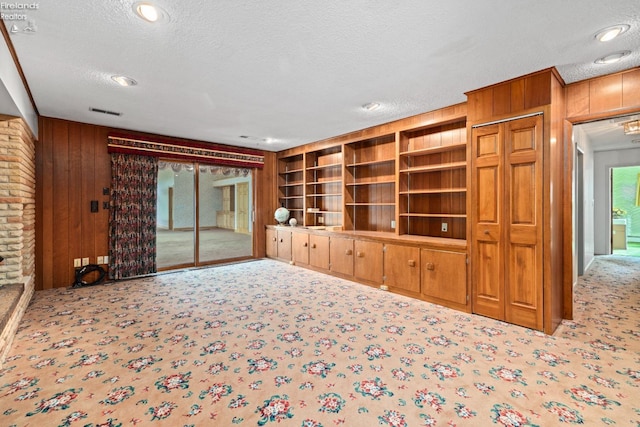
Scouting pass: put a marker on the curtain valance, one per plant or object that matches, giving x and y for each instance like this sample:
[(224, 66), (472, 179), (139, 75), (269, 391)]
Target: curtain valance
[(187, 150)]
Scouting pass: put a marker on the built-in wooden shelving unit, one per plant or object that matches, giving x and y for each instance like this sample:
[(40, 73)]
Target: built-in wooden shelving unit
[(432, 181), (369, 174)]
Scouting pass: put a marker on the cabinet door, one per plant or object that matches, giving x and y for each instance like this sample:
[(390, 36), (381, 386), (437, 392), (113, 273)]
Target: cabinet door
[(272, 243), (402, 267), (368, 261), (444, 276), (300, 247), (319, 251), (341, 255), (284, 244)]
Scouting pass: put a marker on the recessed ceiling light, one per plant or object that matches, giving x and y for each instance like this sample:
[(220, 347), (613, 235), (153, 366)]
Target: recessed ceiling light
[(371, 106), (614, 57), (124, 80), (610, 33), (150, 12)]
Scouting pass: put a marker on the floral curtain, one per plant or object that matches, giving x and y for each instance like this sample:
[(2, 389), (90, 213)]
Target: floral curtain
[(132, 242)]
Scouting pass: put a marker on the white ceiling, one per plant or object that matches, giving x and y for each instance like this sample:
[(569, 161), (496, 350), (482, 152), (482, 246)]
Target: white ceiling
[(299, 71)]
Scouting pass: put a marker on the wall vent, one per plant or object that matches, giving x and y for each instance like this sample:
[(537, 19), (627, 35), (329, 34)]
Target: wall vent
[(100, 110)]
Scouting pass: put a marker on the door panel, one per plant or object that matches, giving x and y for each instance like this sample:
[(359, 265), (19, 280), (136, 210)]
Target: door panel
[(444, 275), (402, 267), (488, 288), (341, 255), (523, 157), (300, 247), (487, 206), (368, 261), (319, 251), (242, 207)]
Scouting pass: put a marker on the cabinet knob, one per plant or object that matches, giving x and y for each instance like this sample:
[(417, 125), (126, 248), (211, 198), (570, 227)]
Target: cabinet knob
[(430, 266), (281, 240), (274, 239), (486, 231), (348, 252), (412, 263), (360, 254), (305, 244), (313, 245)]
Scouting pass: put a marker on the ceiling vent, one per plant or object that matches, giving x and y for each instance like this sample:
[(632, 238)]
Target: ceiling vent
[(111, 113)]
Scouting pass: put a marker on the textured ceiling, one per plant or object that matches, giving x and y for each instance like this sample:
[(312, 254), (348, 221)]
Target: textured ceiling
[(299, 71)]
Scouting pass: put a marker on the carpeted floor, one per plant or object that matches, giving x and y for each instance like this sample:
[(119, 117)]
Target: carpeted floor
[(265, 343)]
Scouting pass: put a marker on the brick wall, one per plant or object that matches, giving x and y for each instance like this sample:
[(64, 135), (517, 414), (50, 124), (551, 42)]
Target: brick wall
[(17, 217)]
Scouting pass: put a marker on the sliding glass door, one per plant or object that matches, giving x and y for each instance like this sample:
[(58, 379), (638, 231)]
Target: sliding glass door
[(203, 214)]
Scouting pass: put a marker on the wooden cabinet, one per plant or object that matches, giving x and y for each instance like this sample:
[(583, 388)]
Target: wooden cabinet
[(369, 176), (402, 268), (410, 267), (300, 247), (291, 185), (341, 255), (507, 223), (432, 181), (444, 278), (319, 251), (368, 261), (283, 236), (272, 242), (323, 195)]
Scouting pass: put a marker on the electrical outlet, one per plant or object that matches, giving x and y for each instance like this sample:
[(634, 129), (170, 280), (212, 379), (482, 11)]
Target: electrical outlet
[(77, 262), (105, 259), (85, 261), (445, 227), (393, 224), (320, 220), (99, 260)]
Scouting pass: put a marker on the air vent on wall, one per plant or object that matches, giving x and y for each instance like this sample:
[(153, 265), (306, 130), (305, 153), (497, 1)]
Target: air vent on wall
[(111, 113)]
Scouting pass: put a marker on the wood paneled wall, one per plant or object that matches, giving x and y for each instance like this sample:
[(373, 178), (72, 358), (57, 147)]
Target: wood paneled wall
[(603, 97), (542, 91), (72, 168)]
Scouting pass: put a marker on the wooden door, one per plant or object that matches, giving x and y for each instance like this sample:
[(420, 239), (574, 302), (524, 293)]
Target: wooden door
[(368, 261), (486, 216), (319, 251), (300, 247), (242, 207), (524, 222), (402, 267), (507, 223), (341, 255)]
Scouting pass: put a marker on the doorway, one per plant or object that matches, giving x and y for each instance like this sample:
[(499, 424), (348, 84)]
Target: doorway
[(625, 211), (202, 214)]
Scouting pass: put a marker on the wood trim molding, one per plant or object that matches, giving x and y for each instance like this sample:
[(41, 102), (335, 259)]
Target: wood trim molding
[(16, 61)]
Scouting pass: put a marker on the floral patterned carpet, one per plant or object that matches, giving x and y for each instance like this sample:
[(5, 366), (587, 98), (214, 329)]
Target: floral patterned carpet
[(265, 343)]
